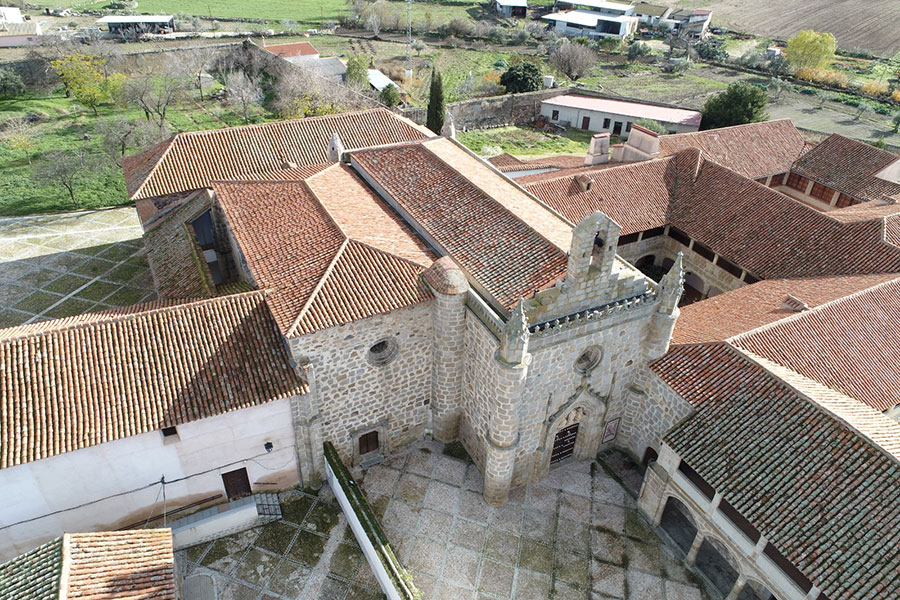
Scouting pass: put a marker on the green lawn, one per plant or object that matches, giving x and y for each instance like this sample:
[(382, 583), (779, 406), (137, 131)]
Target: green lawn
[(64, 125), (526, 141)]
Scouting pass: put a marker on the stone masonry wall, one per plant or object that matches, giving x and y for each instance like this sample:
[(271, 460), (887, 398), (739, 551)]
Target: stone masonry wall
[(178, 268), (353, 395), (651, 408), (481, 346), (495, 111), (554, 388)]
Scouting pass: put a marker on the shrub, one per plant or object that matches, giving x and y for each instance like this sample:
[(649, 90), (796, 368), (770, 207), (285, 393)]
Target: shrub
[(652, 125), (11, 84), (875, 88), (523, 77), (824, 76), (896, 95), (390, 96), (809, 49), (638, 50), (740, 103), (459, 26)]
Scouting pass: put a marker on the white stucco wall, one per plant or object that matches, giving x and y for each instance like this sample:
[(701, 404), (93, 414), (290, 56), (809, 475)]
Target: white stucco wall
[(204, 450), (575, 115)]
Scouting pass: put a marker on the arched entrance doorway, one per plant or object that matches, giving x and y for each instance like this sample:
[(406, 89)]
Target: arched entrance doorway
[(715, 563), (567, 435), (678, 523)]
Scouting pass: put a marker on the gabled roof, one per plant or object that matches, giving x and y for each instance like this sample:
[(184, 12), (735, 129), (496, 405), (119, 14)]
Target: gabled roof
[(849, 166), (486, 224), (111, 565), (774, 236), (851, 345), (754, 150), (193, 160), (820, 491), (636, 195), (141, 369), (637, 110), (724, 316), (329, 249)]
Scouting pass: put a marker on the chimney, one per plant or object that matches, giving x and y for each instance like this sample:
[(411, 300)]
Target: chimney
[(585, 182), (598, 151), (335, 148), (642, 144)]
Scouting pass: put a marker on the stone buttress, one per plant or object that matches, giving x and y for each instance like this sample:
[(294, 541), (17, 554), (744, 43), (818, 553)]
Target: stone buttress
[(449, 285), (511, 371)]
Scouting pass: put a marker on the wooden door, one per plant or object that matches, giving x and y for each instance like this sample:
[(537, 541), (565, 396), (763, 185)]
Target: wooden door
[(585, 122), (368, 442), (564, 443), (237, 484)]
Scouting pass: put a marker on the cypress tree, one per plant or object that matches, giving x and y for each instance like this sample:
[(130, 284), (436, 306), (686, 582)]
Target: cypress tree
[(436, 105)]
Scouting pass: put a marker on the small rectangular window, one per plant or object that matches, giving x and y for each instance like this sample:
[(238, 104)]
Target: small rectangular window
[(555, 115), (694, 477), (628, 126), (655, 232), (703, 250), (729, 267), (679, 236), (169, 431), (605, 123), (628, 239)]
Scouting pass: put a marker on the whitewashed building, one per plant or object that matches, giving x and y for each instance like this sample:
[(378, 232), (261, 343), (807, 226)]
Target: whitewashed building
[(593, 19), (591, 113)]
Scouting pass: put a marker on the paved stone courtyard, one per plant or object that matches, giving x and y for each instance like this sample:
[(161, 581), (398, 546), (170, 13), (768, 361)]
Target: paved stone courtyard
[(577, 534), (54, 266), (309, 554)]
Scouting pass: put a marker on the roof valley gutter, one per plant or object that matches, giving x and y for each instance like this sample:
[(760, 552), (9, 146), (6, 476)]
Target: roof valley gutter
[(435, 246)]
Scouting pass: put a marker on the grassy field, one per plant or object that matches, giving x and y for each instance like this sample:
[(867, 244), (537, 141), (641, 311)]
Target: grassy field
[(868, 24), (64, 125), (525, 141)]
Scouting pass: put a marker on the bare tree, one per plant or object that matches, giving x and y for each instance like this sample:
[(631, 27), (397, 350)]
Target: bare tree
[(64, 167), (198, 61), (18, 134), (243, 92), (121, 134), (156, 92), (575, 60)]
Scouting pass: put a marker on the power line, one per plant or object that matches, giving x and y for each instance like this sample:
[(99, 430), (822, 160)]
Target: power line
[(161, 481)]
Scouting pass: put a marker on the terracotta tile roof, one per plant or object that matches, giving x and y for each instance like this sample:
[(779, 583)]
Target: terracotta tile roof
[(849, 166), (738, 311), (143, 369), (772, 235), (124, 565), (507, 257), (193, 160), (507, 162), (820, 492), (306, 240), (754, 150), (635, 195), (111, 565), (851, 345), (292, 50), (33, 575), (581, 169)]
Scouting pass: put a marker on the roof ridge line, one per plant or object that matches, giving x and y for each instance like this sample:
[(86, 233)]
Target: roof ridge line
[(386, 253), (169, 143), (201, 132), (319, 285), (76, 324), (64, 567), (773, 367), (500, 204), (736, 339)]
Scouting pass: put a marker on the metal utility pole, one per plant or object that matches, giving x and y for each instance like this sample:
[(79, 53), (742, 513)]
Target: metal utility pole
[(409, 69)]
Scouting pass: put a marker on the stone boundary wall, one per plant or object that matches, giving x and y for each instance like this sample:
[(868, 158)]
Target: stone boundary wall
[(493, 111), (395, 582)]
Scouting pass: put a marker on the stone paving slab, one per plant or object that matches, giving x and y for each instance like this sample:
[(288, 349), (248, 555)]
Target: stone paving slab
[(54, 266), (308, 554), (577, 534)]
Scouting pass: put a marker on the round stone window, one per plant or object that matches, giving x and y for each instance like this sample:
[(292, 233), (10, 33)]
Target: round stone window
[(382, 352), (588, 359)]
